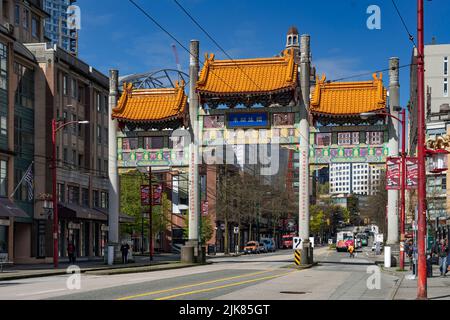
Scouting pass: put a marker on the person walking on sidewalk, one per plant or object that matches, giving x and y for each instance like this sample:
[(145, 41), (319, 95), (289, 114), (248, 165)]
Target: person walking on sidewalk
[(124, 249), (71, 252), (443, 251)]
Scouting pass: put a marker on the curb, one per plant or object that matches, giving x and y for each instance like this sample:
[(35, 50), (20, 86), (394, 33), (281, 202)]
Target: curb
[(143, 269), (107, 270), (400, 275), (302, 267)]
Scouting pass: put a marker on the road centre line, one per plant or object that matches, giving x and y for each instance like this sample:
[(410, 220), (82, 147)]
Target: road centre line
[(193, 285), (225, 286)]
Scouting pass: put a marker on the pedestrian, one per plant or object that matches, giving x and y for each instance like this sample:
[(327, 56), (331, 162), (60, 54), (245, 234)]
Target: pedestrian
[(378, 248), (351, 251), (124, 249), (409, 252), (71, 252), (442, 252)]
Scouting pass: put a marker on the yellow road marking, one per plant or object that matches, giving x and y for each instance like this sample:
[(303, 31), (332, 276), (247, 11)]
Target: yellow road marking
[(224, 286), (193, 285)]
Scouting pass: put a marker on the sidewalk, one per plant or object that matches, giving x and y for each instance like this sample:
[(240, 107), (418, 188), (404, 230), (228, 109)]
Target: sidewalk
[(141, 264), (438, 287)]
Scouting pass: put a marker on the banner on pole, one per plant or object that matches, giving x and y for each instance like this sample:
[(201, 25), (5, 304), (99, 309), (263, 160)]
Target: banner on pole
[(145, 195), (157, 194), (412, 172), (393, 173)]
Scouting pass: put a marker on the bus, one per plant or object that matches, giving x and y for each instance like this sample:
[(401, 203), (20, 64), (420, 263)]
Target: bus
[(343, 240)]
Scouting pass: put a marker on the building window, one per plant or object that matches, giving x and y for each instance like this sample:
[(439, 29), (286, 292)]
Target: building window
[(99, 134), (96, 199), (26, 18), (445, 66), (375, 137), (323, 139), (104, 200), (80, 160), (3, 126), (60, 192), (74, 157), (65, 155), (74, 194), (105, 136), (445, 87), (85, 197), (105, 166), (154, 142), (344, 138), (25, 86), (74, 88), (35, 27), (3, 66), (99, 107), (16, 14), (65, 83), (3, 178), (99, 166), (129, 143)]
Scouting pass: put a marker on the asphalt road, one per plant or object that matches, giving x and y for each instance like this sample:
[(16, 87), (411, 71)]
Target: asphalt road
[(260, 277)]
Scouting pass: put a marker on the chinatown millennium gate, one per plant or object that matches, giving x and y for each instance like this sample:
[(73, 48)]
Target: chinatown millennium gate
[(252, 115)]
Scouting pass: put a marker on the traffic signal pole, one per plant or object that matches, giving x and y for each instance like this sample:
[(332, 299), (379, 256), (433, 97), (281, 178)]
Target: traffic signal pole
[(422, 263)]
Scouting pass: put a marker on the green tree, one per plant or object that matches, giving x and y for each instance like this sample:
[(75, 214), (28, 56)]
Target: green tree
[(317, 219), (206, 229)]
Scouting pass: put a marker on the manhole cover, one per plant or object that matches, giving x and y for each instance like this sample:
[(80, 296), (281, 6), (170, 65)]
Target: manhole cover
[(293, 292)]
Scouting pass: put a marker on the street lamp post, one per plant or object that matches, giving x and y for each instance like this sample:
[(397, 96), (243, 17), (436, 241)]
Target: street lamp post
[(55, 129), (421, 192), (402, 121)]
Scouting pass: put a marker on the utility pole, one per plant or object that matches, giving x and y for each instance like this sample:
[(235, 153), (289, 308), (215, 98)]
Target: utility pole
[(421, 216), (403, 188)]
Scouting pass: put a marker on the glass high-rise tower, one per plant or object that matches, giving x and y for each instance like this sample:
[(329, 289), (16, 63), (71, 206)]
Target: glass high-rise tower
[(56, 26)]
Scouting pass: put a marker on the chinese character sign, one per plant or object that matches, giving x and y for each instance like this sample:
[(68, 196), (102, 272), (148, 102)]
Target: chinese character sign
[(145, 195), (411, 173), (157, 194), (393, 173)]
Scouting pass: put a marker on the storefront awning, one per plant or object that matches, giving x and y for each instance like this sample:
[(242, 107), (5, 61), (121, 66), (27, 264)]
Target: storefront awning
[(10, 209), (73, 211)]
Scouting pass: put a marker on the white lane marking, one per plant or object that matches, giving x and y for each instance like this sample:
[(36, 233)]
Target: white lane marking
[(39, 292)]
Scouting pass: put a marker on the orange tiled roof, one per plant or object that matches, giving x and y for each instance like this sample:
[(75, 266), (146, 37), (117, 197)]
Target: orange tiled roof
[(151, 105), (248, 76), (348, 98)]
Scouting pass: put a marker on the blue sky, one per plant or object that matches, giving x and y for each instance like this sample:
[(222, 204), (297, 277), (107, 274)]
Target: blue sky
[(114, 34)]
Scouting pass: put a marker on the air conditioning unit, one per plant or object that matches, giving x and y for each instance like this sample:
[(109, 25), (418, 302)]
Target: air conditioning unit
[(9, 27)]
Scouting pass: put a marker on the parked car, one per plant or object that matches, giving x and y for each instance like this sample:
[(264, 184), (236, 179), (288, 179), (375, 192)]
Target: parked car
[(269, 244), (364, 239), (358, 243), (262, 248), (252, 247)]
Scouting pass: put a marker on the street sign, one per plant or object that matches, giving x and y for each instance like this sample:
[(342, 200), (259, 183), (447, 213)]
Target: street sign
[(236, 230), (297, 243), (298, 257)]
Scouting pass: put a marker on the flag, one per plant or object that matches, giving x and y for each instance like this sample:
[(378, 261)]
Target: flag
[(28, 178)]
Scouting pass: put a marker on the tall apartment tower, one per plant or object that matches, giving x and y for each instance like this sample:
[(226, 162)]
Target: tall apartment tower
[(56, 26)]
